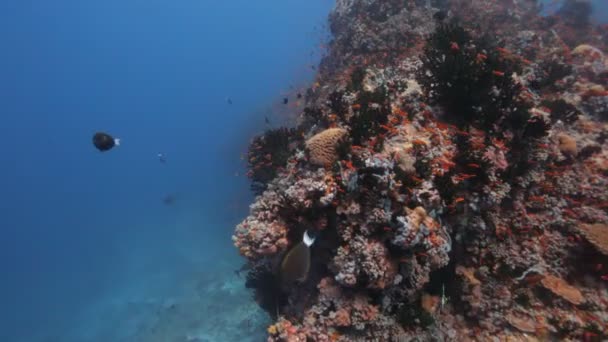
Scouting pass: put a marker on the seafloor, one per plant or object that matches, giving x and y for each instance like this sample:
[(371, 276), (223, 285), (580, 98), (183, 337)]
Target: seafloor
[(209, 305), (452, 162), (167, 290)]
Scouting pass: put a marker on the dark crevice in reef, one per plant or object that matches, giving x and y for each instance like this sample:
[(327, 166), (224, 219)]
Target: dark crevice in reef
[(266, 286)]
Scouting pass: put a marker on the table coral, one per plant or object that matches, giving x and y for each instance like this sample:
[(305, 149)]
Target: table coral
[(597, 235), (562, 289)]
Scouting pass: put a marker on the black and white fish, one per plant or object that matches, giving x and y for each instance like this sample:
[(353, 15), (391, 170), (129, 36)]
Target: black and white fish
[(296, 263), (105, 142)]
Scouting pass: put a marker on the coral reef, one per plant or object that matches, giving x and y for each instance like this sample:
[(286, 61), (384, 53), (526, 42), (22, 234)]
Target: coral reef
[(453, 165)]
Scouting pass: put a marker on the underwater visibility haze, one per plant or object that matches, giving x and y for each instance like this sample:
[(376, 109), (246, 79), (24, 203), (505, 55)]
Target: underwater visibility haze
[(350, 170), (93, 240)]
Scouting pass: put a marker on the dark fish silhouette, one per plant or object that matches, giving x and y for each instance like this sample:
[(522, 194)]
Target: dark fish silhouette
[(229, 100), (244, 268), (162, 158), (104, 142), (169, 199), (267, 120), (440, 15), (296, 263), (299, 95), (285, 100)]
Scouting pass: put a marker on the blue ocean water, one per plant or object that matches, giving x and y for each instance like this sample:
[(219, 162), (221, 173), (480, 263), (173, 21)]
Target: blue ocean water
[(599, 8), (88, 249)]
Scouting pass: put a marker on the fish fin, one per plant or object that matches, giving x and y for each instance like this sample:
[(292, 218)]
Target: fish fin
[(117, 142), (308, 241)]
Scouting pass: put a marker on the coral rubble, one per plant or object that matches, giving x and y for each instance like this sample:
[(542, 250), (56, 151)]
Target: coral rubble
[(453, 164)]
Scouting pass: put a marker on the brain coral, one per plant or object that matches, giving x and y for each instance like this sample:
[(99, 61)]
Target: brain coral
[(322, 147)]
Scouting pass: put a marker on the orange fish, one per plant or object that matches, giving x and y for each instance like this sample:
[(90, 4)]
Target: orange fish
[(419, 142), (349, 164)]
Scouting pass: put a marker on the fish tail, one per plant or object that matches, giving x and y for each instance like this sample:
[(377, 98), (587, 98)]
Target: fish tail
[(117, 142), (308, 241)]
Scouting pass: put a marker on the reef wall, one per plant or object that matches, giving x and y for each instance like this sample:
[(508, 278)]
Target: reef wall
[(452, 162)]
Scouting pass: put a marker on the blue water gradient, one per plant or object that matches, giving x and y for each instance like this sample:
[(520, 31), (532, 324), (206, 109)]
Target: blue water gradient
[(82, 230), (599, 9)]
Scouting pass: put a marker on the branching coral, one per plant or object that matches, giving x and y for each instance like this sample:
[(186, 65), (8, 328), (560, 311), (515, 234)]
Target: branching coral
[(260, 234), (550, 75), (562, 110), (417, 228), (365, 263), (371, 113)]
